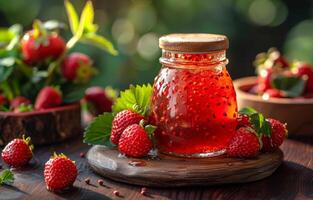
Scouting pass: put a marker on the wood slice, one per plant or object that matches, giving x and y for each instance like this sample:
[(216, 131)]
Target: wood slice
[(168, 171), (44, 127)]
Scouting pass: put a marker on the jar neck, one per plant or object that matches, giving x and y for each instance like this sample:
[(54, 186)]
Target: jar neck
[(193, 59)]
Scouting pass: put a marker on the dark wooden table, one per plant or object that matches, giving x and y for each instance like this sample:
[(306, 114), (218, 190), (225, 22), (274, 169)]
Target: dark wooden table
[(292, 180)]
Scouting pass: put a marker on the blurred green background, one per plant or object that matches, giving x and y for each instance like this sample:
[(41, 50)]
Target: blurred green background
[(134, 26)]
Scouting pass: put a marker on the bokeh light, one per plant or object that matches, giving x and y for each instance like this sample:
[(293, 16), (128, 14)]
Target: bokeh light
[(299, 44), (148, 46)]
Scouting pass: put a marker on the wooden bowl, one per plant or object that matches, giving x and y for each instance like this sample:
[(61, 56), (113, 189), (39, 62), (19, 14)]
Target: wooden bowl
[(44, 127), (297, 113)]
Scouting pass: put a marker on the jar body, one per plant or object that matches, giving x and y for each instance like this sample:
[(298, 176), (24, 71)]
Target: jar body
[(194, 108)]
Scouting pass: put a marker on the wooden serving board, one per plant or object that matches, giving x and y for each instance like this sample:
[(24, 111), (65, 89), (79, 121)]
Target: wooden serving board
[(168, 171)]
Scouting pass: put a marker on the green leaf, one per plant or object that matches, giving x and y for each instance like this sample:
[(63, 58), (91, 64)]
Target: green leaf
[(88, 15), (136, 98), (9, 37), (72, 92), (258, 121), (6, 177), (72, 16), (7, 90), (25, 108), (247, 111), (7, 66), (5, 36), (100, 42), (99, 130), (84, 21), (291, 86)]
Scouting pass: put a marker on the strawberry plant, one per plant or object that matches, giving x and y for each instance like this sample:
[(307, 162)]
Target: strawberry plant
[(130, 108), (41, 58)]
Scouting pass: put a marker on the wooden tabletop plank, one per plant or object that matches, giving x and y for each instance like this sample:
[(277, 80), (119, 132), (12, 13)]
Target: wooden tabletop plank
[(293, 179)]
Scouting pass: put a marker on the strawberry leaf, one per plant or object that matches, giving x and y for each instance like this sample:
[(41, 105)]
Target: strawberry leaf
[(247, 111), (25, 108), (258, 121), (6, 177), (136, 98), (291, 86), (99, 130), (7, 66), (100, 42), (73, 92), (72, 16)]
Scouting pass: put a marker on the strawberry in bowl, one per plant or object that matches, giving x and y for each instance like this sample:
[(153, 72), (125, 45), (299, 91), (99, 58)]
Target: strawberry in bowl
[(282, 89)]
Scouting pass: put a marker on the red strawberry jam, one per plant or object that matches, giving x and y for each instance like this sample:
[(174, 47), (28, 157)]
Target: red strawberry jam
[(194, 102)]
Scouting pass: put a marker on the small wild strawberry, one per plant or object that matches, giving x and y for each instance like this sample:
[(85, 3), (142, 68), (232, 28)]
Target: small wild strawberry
[(272, 92), (243, 120), (121, 121), (18, 152), (98, 100), (305, 70), (135, 141), (17, 101), (77, 67), (48, 97), (278, 134), (3, 100), (244, 144), (60, 172), (36, 47)]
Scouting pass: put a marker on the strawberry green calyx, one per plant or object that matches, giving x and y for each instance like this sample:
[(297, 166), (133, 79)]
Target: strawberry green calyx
[(25, 108), (258, 121), (84, 73), (55, 155), (6, 177), (149, 129), (28, 142)]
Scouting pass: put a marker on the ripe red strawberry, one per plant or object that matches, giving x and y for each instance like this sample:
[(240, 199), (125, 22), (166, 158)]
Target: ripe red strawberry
[(306, 70), (17, 101), (36, 49), (98, 100), (77, 67), (60, 172), (272, 93), (18, 152), (48, 97), (243, 120), (264, 80), (244, 144), (135, 141), (3, 100), (279, 132), (121, 121)]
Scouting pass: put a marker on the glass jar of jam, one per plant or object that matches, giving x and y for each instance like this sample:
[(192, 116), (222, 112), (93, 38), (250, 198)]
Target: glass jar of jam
[(194, 102)]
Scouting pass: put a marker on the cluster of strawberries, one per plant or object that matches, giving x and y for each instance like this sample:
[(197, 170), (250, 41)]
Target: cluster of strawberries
[(38, 46), (277, 77), (249, 139), (60, 172), (130, 134)]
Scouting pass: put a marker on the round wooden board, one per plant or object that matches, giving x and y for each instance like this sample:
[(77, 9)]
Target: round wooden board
[(171, 171)]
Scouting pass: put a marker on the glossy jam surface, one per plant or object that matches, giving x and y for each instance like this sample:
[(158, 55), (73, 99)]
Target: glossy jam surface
[(194, 109)]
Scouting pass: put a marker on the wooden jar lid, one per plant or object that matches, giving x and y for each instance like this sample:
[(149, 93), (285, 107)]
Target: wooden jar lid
[(193, 42)]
